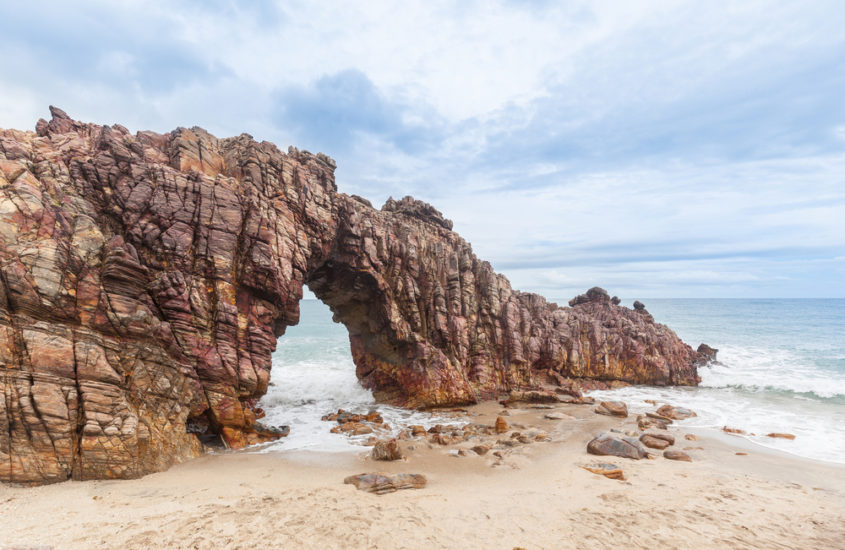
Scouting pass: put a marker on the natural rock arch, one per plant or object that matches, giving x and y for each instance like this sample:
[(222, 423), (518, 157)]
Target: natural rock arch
[(145, 279)]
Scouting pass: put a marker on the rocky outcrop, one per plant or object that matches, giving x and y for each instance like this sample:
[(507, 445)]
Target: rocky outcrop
[(146, 277)]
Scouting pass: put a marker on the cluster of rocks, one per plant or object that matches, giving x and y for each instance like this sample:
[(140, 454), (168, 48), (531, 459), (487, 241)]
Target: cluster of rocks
[(356, 424), (635, 445)]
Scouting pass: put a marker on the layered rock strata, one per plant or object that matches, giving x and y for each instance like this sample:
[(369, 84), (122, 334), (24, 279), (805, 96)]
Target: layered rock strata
[(146, 277)]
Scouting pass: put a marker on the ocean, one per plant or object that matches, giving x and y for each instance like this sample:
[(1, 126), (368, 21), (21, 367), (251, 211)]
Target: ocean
[(781, 369)]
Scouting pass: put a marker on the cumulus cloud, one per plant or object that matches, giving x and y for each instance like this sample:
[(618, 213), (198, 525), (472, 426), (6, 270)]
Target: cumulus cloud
[(657, 148)]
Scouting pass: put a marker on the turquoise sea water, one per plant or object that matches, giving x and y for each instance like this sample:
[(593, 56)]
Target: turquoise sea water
[(781, 369)]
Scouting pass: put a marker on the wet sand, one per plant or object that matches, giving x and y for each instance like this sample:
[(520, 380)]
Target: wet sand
[(535, 496)]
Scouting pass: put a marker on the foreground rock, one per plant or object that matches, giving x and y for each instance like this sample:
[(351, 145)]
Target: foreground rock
[(145, 279), (617, 445), (611, 471), (380, 483)]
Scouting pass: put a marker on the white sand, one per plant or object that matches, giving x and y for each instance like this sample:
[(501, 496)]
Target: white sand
[(537, 498)]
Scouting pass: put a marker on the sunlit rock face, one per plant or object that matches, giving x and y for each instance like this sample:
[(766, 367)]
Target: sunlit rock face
[(146, 278)]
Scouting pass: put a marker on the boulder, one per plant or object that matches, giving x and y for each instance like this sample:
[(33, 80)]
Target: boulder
[(615, 445)]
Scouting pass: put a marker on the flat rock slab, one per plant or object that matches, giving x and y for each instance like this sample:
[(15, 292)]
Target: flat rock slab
[(614, 445), (381, 483), (605, 469)]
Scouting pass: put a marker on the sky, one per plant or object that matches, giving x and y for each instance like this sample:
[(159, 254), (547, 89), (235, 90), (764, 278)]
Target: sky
[(656, 149)]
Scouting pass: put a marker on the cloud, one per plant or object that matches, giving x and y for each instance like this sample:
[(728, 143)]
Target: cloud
[(657, 148), (331, 114)]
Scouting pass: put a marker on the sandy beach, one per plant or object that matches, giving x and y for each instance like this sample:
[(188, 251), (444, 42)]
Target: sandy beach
[(535, 496)]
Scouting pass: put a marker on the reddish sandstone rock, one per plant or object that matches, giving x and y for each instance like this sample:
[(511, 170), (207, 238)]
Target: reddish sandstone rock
[(735, 431), (653, 442), (501, 425), (677, 455), (657, 440), (417, 430), (611, 471), (612, 408), (145, 279), (646, 422), (386, 450), (675, 413), (781, 435)]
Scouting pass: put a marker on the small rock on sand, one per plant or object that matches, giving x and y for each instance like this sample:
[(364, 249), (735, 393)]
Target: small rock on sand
[(381, 483), (611, 471), (501, 425), (690, 437), (677, 455), (386, 450), (781, 435), (482, 449), (675, 413), (733, 430)]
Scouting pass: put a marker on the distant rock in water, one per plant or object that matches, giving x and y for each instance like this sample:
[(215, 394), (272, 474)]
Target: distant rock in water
[(705, 355), (145, 279)]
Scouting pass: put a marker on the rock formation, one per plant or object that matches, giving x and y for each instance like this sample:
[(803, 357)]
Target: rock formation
[(146, 278)]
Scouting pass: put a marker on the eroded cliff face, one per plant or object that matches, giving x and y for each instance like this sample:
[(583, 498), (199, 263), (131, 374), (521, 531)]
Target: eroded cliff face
[(145, 279)]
